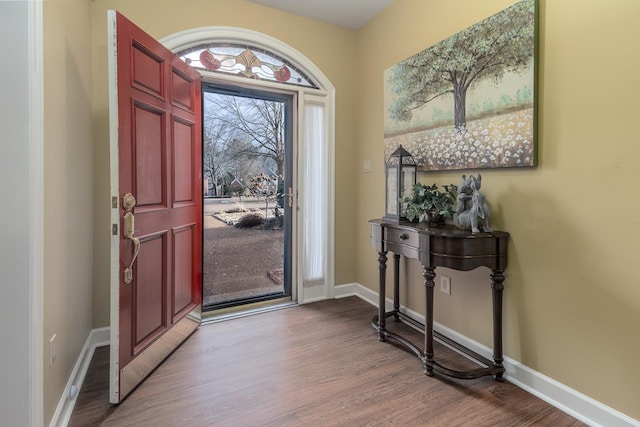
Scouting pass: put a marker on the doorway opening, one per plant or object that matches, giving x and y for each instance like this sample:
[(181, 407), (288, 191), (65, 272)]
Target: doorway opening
[(283, 69), (247, 195)]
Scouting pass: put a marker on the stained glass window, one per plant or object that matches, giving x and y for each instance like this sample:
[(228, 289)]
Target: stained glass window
[(245, 61)]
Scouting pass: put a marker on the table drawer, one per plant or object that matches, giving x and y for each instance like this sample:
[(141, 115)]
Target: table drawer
[(403, 237)]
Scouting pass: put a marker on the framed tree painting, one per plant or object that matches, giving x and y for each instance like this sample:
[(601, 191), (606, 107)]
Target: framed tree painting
[(469, 101)]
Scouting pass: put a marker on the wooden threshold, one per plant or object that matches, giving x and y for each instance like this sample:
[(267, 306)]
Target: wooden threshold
[(238, 311)]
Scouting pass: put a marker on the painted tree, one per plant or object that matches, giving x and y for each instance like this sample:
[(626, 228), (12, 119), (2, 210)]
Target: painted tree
[(500, 44)]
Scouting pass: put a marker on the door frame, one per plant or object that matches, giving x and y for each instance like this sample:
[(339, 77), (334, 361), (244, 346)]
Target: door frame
[(26, 133), (324, 95)]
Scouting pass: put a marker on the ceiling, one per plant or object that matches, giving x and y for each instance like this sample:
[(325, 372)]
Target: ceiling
[(345, 13)]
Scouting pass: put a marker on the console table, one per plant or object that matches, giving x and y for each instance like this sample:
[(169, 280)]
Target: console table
[(439, 246)]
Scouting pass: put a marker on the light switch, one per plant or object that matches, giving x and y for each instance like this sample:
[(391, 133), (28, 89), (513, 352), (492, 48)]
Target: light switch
[(366, 166)]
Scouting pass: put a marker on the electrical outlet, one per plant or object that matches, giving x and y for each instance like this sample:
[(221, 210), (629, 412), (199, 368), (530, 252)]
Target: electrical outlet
[(52, 350), (445, 285), (366, 166)]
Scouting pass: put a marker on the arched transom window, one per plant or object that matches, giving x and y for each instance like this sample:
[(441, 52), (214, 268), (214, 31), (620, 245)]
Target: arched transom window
[(245, 61)]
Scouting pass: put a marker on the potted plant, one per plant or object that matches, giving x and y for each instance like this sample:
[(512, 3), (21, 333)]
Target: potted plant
[(429, 203)]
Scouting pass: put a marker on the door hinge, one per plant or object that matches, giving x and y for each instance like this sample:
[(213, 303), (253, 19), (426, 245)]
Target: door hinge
[(114, 202), (114, 229)]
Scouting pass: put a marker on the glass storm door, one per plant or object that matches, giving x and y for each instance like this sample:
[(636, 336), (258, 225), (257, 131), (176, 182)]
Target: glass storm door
[(247, 164)]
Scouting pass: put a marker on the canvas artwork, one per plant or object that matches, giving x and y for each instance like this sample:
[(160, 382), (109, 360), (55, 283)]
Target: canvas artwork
[(469, 101)]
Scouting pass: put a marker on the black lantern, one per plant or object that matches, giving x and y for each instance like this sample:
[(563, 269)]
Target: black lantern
[(401, 177)]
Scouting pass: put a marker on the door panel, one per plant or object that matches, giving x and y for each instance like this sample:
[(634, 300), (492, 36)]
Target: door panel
[(149, 289), (147, 70), (150, 148), (156, 144), (182, 95), (183, 167), (183, 239)]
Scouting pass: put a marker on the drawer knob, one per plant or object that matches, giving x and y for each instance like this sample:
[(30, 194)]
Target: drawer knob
[(404, 236)]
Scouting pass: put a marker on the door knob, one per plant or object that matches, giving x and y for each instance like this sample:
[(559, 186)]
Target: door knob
[(289, 196)]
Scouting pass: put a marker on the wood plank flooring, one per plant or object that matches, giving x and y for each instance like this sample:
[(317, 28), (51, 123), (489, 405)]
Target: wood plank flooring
[(314, 365)]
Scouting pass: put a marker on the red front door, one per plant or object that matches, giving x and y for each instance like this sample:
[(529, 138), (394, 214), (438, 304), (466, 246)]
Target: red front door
[(155, 115)]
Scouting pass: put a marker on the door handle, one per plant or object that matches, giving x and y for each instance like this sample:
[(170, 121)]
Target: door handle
[(128, 202), (289, 196)]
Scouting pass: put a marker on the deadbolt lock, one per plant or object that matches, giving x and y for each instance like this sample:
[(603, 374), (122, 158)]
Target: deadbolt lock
[(128, 202)]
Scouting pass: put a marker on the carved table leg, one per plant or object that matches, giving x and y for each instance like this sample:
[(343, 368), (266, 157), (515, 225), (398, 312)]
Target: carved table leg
[(382, 268), (396, 286), (497, 287), (429, 274)]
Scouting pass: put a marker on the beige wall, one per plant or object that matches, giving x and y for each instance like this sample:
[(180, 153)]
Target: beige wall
[(331, 48), (68, 176), (571, 304), (572, 296)]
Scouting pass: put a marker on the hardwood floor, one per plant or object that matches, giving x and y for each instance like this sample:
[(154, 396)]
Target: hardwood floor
[(314, 365)]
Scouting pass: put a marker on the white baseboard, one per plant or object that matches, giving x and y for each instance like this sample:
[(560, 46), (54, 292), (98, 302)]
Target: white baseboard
[(96, 338), (574, 403), (346, 290)]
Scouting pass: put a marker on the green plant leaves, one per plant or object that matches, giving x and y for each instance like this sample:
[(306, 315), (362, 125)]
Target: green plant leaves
[(427, 201)]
